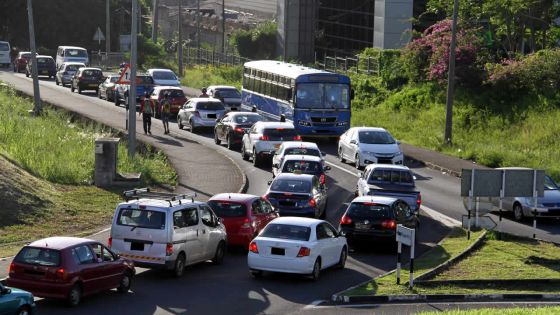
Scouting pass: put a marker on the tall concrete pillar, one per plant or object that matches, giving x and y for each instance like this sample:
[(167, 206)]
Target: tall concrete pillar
[(392, 24), (106, 153), (297, 21)]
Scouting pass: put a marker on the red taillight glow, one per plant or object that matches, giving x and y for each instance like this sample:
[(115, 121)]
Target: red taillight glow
[(265, 138), (345, 220), (12, 269), (60, 274), (419, 200), (304, 251), (297, 138), (246, 223), (253, 248), (169, 249), (238, 129), (323, 179), (110, 242), (312, 202), (389, 224)]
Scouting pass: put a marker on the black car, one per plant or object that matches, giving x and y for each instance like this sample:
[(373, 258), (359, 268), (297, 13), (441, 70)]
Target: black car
[(107, 88), (303, 164), (45, 67), (87, 79), (232, 126), (374, 219), (300, 195)]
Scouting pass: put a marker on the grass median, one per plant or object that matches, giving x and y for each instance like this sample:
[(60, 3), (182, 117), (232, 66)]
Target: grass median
[(546, 310), (46, 174)]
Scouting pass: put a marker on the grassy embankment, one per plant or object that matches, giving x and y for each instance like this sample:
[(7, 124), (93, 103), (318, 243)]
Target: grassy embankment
[(486, 129), (509, 258), (543, 310), (46, 171)]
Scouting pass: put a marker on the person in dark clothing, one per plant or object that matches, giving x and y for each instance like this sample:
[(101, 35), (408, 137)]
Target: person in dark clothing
[(204, 94), (165, 112), (254, 109), (147, 110), (282, 118)]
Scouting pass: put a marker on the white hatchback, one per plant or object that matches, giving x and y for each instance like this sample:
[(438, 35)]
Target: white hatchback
[(297, 245), (369, 145), (296, 148)]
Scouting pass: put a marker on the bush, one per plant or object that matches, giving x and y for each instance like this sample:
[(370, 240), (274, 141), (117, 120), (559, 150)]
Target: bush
[(258, 43), (389, 63)]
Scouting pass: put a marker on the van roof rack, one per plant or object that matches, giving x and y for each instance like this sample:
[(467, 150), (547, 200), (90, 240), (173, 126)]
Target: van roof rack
[(147, 193)]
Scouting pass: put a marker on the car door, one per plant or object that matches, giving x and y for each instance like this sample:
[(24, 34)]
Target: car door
[(193, 241), (247, 139), (91, 269), (179, 233), (345, 145), (328, 245), (363, 184), (209, 237), (404, 214), (354, 145), (221, 127), (319, 194), (8, 303), (276, 159), (269, 212), (112, 268), (257, 212)]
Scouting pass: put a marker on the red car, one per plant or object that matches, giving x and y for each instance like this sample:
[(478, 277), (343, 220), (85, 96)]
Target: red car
[(69, 268), (176, 97), (244, 215), (21, 61)]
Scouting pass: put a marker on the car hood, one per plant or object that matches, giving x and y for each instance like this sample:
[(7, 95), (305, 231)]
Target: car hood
[(551, 198), (380, 148), (20, 293), (166, 82)]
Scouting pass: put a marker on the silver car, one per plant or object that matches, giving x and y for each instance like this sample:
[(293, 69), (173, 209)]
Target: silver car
[(66, 72), (229, 95), (200, 112)]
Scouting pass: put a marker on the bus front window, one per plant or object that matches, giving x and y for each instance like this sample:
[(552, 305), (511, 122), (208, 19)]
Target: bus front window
[(322, 96)]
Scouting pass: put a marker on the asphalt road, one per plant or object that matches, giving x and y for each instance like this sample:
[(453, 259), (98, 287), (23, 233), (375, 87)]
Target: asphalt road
[(208, 289)]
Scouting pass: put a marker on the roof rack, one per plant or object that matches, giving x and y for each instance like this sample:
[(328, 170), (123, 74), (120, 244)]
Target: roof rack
[(146, 193)]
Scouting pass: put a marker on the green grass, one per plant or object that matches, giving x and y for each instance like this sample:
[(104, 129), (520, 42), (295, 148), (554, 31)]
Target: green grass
[(545, 310), (203, 76)]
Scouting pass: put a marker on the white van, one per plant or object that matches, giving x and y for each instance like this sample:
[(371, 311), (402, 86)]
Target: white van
[(5, 59), (71, 54), (167, 231)]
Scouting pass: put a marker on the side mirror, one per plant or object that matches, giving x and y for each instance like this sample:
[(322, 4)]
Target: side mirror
[(275, 165), (290, 94), (341, 233), (360, 174), (323, 153), (6, 291), (353, 142), (327, 168), (269, 182)]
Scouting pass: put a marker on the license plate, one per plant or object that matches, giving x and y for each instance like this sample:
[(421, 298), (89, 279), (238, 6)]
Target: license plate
[(137, 246), (93, 85), (277, 251), (360, 226), (211, 116), (44, 72)]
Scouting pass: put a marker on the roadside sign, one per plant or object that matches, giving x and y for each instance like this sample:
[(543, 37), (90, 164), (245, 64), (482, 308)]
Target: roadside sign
[(99, 36), (404, 235), (487, 182), (125, 76), (519, 183), (484, 222)]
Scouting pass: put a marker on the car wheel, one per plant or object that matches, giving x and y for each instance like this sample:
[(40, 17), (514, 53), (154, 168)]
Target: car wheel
[(229, 142), (244, 154), (216, 139), (219, 256), (256, 160), (56, 81), (79, 90), (257, 273), (342, 259), (191, 126), (75, 295), (24, 310), (99, 94), (117, 100), (340, 156), (72, 88), (358, 166), (316, 270), (27, 74), (179, 269), (518, 212), (126, 282), (180, 123)]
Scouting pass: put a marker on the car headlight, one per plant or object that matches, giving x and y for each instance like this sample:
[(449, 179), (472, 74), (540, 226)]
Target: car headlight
[(304, 123), (368, 153)]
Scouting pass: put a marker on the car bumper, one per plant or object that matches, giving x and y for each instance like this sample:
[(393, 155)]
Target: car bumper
[(542, 212), (239, 239), (41, 288), (369, 159), (296, 212), (148, 261), (88, 86), (299, 265), (204, 122), (369, 235)]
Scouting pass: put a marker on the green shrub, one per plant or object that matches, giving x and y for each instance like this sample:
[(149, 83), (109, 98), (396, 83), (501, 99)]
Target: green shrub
[(389, 63), (258, 43)]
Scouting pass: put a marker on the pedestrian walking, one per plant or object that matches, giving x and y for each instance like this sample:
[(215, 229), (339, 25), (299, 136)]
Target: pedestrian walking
[(165, 112), (204, 94), (147, 110)]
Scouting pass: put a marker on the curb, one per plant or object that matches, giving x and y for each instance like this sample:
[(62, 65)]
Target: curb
[(488, 282), (382, 299), (435, 166)]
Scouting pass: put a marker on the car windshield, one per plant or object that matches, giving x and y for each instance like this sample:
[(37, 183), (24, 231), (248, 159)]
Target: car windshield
[(209, 106), (291, 185), (175, 93), (73, 67), (399, 177), (25, 56), (44, 61), (38, 256), (114, 79), (375, 137), (4, 47), (549, 184), (286, 231), (247, 119), (305, 167), (75, 53), (370, 210), (227, 93), (92, 73), (280, 134), (142, 218), (302, 151), (228, 209), (143, 79), (323, 95), (163, 75)]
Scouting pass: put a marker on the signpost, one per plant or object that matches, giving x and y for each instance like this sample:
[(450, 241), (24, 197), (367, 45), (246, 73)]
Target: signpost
[(405, 236)]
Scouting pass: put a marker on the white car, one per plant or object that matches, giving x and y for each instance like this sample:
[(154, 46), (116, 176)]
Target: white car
[(369, 145), (200, 112), (264, 138), (297, 148), (229, 95), (66, 71), (297, 245), (164, 77)]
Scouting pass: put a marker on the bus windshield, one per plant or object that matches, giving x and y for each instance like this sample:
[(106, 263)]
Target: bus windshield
[(322, 96)]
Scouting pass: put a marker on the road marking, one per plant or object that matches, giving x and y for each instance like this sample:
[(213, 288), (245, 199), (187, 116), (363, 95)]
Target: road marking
[(440, 217), (342, 169), (376, 305), (314, 304)]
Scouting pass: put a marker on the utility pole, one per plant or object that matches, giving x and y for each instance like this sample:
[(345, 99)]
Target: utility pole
[(223, 26), (107, 29), (132, 90), (139, 19), (180, 40), (198, 28), (155, 20), (38, 107), (451, 78)]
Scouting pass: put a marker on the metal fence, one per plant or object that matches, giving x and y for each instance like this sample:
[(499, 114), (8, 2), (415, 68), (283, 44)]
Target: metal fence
[(366, 65), (106, 61), (194, 56)]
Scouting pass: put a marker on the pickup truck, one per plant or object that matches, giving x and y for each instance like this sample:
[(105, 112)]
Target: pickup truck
[(144, 83), (388, 180)]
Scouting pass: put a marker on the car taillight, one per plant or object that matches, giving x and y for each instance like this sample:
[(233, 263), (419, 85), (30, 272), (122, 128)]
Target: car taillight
[(169, 249), (345, 220), (304, 251), (389, 224), (265, 197), (196, 113), (246, 223), (240, 130), (322, 179), (265, 138), (297, 138), (12, 269), (253, 248), (110, 242), (312, 202), (81, 78), (418, 201), (60, 274)]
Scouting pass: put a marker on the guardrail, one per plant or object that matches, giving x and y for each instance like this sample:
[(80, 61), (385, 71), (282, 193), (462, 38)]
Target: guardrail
[(105, 61), (202, 56), (369, 65)]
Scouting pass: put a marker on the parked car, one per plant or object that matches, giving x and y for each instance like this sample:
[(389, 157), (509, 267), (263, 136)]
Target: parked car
[(106, 89), (374, 219), (297, 245), (167, 231), (164, 77), (176, 97), (144, 83), (244, 216), (87, 79), (15, 301), (233, 126), (296, 148), (395, 181), (229, 95), (45, 67), (300, 195), (71, 54), (548, 206), (69, 268), (302, 164), (367, 145), (200, 112), (5, 58), (66, 72), (264, 138), (21, 61)]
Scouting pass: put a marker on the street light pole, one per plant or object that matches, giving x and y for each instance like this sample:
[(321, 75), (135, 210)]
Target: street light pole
[(223, 26), (180, 41), (155, 20), (132, 90), (198, 28), (38, 107), (451, 78), (108, 28)]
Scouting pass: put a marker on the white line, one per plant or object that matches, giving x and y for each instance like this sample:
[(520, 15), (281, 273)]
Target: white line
[(376, 305), (343, 169), (440, 217), (313, 304), (102, 231)]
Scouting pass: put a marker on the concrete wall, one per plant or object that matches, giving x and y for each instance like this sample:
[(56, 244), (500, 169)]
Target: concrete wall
[(297, 20)]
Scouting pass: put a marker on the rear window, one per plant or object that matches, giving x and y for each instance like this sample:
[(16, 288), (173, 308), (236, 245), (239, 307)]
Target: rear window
[(305, 167), (288, 232), (225, 209), (227, 93), (114, 79), (396, 177), (75, 53), (25, 56), (370, 210), (209, 106), (247, 119), (302, 151), (73, 67), (291, 185), (142, 79), (147, 219), (45, 61), (4, 47), (92, 73), (175, 93), (163, 75), (38, 256), (280, 134)]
